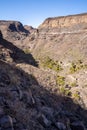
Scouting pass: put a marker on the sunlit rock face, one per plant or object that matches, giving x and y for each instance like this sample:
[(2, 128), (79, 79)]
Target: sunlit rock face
[(64, 25), (62, 38), (65, 21)]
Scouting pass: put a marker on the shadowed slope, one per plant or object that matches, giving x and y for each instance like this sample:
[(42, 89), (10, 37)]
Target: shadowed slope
[(18, 55), (31, 106)]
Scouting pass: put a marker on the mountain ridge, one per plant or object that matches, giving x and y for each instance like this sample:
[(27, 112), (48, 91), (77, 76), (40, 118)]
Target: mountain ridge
[(62, 19)]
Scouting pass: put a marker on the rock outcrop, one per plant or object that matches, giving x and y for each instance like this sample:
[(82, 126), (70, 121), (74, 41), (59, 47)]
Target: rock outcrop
[(12, 26), (14, 31), (29, 28), (62, 38), (63, 41), (66, 22)]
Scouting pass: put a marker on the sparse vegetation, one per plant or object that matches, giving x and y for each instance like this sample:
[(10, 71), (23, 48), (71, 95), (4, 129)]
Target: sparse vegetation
[(60, 80), (73, 68), (51, 64), (26, 51), (62, 86), (77, 66), (65, 91), (76, 96), (73, 84)]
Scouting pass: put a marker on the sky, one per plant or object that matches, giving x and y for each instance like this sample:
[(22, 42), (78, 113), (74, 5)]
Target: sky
[(34, 12)]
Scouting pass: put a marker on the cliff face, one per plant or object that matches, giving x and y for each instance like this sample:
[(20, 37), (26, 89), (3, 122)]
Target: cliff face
[(64, 25), (65, 21), (62, 38)]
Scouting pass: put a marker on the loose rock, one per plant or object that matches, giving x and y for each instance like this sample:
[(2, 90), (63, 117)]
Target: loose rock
[(6, 123)]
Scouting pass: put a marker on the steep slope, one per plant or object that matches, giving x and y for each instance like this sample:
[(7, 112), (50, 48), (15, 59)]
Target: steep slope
[(10, 53), (62, 38), (26, 104), (28, 100), (60, 45)]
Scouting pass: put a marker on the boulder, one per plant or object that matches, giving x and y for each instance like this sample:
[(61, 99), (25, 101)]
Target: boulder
[(43, 120), (60, 126), (77, 126), (6, 123)]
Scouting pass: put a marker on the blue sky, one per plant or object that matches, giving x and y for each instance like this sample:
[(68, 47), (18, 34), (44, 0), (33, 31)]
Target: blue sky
[(34, 12)]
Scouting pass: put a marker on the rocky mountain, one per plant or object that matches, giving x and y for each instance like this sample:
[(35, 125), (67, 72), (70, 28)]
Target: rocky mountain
[(29, 28), (43, 75), (61, 45), (8, 27), (62, 35), (14, 31)]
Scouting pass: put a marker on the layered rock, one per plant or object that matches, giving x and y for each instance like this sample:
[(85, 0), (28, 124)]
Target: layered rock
[(64, 25), (64, 40), (60, 37), (65, 21)]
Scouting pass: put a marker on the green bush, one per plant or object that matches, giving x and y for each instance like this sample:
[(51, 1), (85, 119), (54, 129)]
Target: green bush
[(76, 95), (26, 51), (73, 68), (65, 91), (73, 84), (60, 80), (77, 66), (51, 64)]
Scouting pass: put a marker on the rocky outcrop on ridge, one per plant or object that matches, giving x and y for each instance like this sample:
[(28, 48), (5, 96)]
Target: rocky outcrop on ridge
[(29, 28), (14, 31), (12, 26)]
